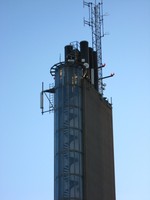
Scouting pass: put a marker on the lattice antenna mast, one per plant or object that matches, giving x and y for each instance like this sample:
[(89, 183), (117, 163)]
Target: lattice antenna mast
[(97, 27)]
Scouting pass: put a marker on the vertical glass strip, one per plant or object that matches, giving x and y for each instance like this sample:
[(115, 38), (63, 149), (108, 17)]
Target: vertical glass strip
[(68, 133)]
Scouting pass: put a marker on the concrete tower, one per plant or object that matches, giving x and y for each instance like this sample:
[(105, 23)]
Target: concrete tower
[(83, 133), (83, 130)]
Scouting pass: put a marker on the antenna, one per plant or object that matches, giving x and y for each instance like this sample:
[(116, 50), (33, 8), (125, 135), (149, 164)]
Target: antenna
[(95, 21), (49, 94)]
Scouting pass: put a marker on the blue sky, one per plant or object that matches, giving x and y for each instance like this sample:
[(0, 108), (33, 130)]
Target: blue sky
[(32, 37)]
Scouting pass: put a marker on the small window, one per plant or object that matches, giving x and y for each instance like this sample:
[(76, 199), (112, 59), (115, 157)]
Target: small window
[(60, 73)]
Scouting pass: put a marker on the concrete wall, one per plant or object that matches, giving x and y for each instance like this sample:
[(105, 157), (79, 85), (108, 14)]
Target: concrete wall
[(99, 182)]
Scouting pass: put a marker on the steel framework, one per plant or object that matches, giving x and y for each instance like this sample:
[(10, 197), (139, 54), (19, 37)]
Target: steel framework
[(97, 27)]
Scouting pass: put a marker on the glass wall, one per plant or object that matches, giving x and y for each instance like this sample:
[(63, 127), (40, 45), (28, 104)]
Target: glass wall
[(68, 133)]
